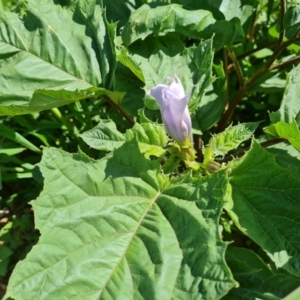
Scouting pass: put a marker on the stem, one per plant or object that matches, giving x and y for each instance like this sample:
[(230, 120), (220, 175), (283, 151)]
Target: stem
[(251, 31), (260, 72), (265, 144), (257, 49), (285, 63), (227, 77), (198, 144), (282, 31), (119, 109), (63, 120), (236, 66)]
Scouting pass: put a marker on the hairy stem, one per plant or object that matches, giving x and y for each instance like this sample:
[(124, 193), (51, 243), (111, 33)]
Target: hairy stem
[(236, 66), (264, 144), (282, 13)]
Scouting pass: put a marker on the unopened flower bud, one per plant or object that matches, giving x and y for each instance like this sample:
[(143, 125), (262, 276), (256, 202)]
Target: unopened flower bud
[(173, 104)]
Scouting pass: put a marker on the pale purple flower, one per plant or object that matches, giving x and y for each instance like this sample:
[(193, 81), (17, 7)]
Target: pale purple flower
[(173, 104)]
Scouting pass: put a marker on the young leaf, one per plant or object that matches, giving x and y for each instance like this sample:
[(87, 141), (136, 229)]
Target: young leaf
[(116, 229), (151, 137), (289, 132), (266, 205), (257, 280), (42, 67), (231, 137), (197, 24)]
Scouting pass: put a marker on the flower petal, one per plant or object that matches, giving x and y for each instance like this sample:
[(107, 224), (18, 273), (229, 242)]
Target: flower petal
[(157, 93)]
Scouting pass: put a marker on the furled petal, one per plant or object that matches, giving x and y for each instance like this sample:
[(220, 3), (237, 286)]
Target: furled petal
[(173, 106), (157, 93)]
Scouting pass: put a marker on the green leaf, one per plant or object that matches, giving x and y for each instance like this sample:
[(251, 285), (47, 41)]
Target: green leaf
[(257, 280), (126, 81), (227, 8), (45, 99), (116, 229), (289, 132), (18, 138), (130, 63), (290, 105), (236, 8), (287, 157), (5, 253), (104, 136), (212, 103), (119, 10), (197, 24), (295, 295), (292, 15), (151, 136), (266, 205), (193, 67), (42, 67), (231, 137)]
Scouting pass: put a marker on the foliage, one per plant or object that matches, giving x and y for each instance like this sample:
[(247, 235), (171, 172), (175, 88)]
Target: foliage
[(97, 201)]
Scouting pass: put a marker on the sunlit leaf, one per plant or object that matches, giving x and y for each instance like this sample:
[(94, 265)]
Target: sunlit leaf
[(231, 137), (290, 132), (265, 206), (290, 105), (116, 229), (54, 55), (196, 24)]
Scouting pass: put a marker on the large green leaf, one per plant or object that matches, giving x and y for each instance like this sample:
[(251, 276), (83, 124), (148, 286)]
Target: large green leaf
[(257, 280), (54, 55), (290, 105), (197, 24), (116, 229), (212, 103), (241, 9), (127, 82), (266, 206), (193, 67), (287, 157)]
